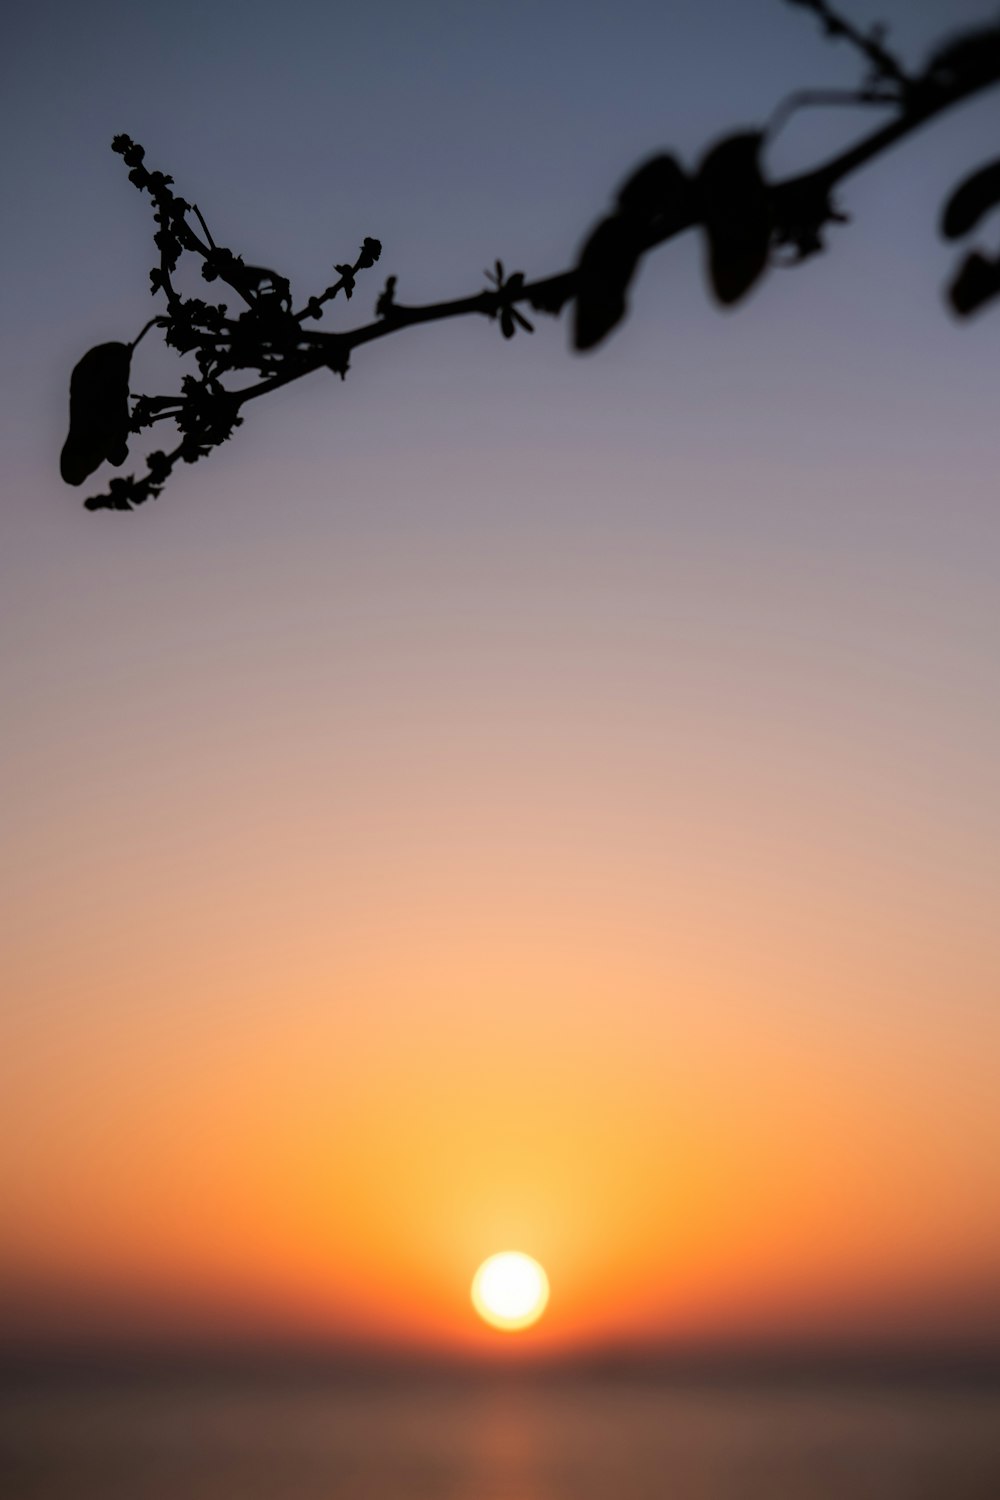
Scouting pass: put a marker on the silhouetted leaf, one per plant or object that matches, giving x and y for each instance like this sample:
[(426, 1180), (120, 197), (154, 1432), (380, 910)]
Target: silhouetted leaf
[(607, 265), (98, 412), (972, 57), (736, 212), (970, 201), (658, 189), (654, 202), (977, 283)]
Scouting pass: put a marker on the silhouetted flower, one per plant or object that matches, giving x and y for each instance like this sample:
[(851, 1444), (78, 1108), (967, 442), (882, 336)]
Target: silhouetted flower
[(339, 360), (347, 280), (386, 299), (510, 318), (801, 212), (124, 494), (159, 466), (370, 252)]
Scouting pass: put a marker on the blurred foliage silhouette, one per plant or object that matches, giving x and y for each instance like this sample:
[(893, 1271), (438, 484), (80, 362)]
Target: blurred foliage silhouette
[(747, 221)]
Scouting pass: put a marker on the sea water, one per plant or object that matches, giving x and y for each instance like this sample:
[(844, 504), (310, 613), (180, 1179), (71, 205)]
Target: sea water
[(433, 1439)]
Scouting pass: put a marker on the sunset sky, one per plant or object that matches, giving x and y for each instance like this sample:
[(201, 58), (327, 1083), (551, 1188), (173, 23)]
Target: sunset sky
[(510, 800)]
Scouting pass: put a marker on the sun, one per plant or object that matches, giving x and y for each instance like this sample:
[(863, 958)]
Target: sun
[(510, 1291)]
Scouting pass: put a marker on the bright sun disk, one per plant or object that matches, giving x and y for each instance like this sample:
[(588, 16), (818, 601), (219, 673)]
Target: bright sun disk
[(510, 1290)]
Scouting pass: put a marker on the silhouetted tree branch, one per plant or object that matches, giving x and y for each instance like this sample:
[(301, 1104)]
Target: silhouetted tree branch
[(748, 223)]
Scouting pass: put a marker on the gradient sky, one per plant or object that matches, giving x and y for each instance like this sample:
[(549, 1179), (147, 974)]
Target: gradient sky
[(510, 799)]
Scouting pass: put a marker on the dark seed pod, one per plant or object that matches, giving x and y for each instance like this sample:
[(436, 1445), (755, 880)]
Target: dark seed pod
[(970, 201), (736, 212), (606, 267), (98, 412), (977, 283)]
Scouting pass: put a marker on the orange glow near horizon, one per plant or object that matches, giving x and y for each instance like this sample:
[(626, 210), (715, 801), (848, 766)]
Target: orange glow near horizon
[(326, 1176), (297, 1044), (503, 798)]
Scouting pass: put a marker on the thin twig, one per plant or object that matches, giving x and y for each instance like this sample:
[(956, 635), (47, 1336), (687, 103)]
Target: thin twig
[(823, 98), (269, 334), (562, 285), (870, 46)]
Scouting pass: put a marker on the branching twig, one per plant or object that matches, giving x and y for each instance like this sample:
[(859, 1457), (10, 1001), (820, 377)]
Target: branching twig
[(883, 64), (745, 219)]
